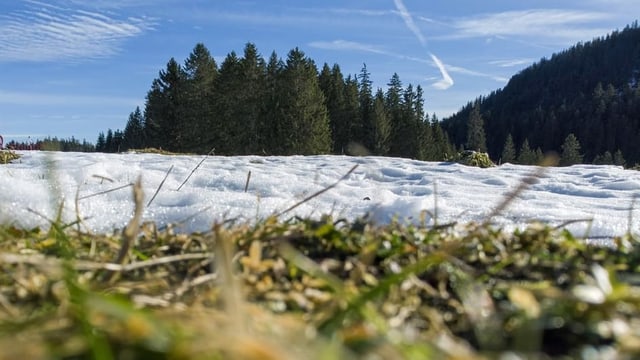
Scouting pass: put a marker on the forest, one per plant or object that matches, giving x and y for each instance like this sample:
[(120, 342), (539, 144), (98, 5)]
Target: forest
[(277, 107), (589, 92)]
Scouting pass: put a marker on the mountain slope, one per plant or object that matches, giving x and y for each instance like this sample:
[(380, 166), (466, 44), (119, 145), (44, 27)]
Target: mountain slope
[(589, 90)]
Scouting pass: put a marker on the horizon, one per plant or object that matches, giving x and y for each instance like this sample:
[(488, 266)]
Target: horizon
[(75, 68)]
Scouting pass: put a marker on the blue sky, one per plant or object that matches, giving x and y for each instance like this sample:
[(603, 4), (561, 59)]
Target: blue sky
[(78, 67)]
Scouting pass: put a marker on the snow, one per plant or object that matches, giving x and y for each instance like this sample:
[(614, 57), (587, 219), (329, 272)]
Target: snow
[(32, 189)]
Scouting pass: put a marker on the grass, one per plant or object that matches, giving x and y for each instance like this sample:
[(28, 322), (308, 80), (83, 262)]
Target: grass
[(7, 156), (316, 289)]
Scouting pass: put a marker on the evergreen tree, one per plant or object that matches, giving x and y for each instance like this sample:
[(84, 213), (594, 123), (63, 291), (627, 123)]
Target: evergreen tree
[(476, 139), (332, 84), (269, 125), (229, 89), (618, 158), (240, 98), (393, 103), (199, 122), (165, 108), (381, 125), (363, 129), (352, 114), (509, 151), (603, 159), (441, 148), (109, 144), (101, 142), (304, 119), (570, 151), (133, 137), (526, 156)]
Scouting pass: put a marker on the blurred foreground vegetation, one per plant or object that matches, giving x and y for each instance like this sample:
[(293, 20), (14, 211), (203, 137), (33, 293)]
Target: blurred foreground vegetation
[(309, 289)]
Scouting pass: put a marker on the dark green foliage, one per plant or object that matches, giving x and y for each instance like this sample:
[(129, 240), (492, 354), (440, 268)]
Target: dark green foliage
[(70, 144), (304, 121), (249, 106), (201, 71), (526, 156), (570, 151), (381, 125), (133, 137), (604, 159), (165, 109), (509, 151), (476, 139), (590, 90)]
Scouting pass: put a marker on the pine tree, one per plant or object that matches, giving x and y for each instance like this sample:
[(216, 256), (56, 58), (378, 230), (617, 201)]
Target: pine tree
[(165, 109), (393, 103), (352, 115), (199, 123), (381, 125), (101, 142), (269, 125), (304, 119), (133, 137), (364, 127), (332, 84), (603, 159), (526, 156), (570, 151), (509, 151), (476, 139), (241, 97), (108, 143), (618, 158)]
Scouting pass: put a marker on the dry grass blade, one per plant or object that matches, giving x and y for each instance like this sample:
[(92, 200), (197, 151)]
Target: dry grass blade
[(131, 231), (529, 180), (195, 168), (105, 192), (316, 194), (88, 265), (160, 186), (246, 185)]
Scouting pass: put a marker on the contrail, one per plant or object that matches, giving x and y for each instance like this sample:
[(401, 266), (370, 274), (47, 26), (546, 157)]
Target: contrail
[(446, 81), (408, 20)]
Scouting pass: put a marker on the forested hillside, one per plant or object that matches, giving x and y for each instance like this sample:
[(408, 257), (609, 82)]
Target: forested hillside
[(587, 93), (277, 107)]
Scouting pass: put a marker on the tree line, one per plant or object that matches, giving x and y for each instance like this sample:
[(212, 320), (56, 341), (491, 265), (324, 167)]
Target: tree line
[(249, 105)]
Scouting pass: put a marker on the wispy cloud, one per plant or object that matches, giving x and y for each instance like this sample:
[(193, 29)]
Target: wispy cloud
[(47, 99), (511, 62), (42, 32), (549, 24), (348, 45)]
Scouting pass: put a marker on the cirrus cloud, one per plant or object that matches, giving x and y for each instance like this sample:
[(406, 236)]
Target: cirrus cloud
[(42, 32)]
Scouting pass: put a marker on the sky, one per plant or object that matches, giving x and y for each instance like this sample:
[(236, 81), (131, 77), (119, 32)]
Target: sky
[(590, 201), (78, 67)]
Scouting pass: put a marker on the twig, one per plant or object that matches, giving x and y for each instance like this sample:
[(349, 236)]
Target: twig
[(160, 186), (195, 168), (319, 192)]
